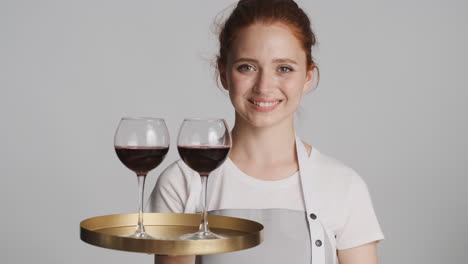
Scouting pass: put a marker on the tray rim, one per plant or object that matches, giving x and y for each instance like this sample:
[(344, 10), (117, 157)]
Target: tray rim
[(90, 233)]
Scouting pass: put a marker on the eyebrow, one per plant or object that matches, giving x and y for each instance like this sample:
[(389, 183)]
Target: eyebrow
[(285, 61), (244, 59), (279, 60)]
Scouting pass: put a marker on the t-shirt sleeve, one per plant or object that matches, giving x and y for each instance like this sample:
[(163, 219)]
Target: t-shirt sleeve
[(361, 225), (170, 192)]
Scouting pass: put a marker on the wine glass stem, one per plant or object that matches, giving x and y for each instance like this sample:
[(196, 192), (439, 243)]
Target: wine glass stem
[(204, 224), (141, 186)]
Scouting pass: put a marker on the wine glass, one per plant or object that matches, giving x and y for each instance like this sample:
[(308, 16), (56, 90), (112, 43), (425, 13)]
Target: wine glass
[(141, 143), (203, 145)]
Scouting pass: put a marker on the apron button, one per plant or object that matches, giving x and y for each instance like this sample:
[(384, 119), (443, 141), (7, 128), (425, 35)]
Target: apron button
[(318, 243), (313, 216)]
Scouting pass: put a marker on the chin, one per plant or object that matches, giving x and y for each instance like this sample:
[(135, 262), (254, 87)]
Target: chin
[(265, 122)]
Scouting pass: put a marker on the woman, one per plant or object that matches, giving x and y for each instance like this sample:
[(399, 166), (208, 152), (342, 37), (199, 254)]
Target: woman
[(314, 209)]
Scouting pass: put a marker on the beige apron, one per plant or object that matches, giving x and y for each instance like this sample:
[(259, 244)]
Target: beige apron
[(290, 236)]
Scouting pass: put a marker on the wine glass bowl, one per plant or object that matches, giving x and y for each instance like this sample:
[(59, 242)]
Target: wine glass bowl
[(141, 160), (141, 144), (203, 145)]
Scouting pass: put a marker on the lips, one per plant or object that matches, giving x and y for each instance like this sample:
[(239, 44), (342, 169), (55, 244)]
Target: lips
[(264, 105)]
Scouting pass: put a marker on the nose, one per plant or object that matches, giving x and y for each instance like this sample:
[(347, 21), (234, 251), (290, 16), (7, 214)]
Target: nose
[(264, 82)]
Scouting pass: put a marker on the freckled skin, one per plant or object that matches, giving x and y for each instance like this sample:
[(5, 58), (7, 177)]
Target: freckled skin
[(266, 63)]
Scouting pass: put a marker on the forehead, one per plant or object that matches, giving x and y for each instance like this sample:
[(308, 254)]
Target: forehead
[(267, 41)]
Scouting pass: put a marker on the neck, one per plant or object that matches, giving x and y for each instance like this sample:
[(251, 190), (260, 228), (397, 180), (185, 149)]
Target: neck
[(263, 145)]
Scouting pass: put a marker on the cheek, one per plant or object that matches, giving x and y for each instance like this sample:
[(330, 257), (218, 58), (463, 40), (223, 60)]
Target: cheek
[(236, 90), (292, 86), (238, 83)]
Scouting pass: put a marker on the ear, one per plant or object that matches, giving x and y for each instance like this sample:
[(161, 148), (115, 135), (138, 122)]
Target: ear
[(309, 79), (222, 75)]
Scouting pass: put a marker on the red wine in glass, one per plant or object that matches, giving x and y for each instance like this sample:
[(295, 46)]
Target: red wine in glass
[(141, 143), (141, 160), (203, 159)]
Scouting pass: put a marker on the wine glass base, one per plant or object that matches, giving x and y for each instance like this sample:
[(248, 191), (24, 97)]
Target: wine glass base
[(141, 235), (200, 235)]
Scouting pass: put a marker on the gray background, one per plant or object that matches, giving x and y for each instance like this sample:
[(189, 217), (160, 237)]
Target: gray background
[(391, 104)]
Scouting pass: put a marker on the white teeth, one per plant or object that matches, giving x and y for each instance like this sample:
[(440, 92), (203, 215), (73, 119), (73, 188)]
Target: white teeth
[(265, 104)]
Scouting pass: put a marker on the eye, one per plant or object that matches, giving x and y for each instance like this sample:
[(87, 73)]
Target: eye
[(285, 69), (245, 68)]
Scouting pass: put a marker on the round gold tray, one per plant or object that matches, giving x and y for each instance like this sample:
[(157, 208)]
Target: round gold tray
[(110, 231)]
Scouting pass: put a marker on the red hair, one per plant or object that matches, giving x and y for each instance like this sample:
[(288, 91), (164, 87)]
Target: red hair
[(248, 12)]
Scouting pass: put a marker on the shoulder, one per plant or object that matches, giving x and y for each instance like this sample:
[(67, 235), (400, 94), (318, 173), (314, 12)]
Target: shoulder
[(336, 183), (346, 206), (173, 189), (175, 173), (341, 192), (333, 169), (177, 179)]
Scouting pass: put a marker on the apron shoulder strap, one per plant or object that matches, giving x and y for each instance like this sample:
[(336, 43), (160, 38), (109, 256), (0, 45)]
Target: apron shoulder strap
[(308, 178)]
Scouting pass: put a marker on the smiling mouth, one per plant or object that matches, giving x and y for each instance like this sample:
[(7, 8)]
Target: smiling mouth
[(265, 104)]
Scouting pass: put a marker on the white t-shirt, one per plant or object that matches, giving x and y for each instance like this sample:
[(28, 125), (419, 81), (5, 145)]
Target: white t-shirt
[(346, 209)]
